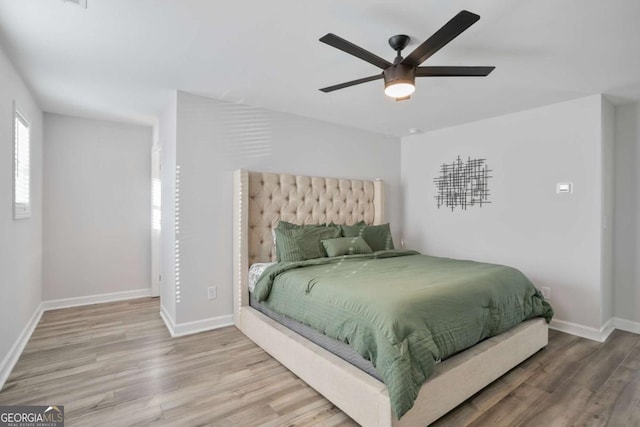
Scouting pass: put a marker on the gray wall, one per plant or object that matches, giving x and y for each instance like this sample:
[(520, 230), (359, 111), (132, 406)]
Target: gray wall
[(213, 139), (554, 239), (21, 240), (627, 213), (97, 220)]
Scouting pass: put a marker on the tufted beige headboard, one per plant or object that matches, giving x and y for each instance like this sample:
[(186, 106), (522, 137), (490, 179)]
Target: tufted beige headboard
[(302, 200), (262, 199)]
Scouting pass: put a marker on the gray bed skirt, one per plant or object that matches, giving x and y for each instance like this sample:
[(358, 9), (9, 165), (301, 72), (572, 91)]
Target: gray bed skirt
[(340, 349)]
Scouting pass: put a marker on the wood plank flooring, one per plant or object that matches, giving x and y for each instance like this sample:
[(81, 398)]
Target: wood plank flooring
[(116, 364)]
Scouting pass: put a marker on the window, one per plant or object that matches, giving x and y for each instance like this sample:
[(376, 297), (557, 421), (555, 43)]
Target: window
[(156, 190), (21, 165)]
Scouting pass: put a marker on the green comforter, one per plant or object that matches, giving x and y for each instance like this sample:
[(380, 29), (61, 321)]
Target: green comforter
[(401, 310)]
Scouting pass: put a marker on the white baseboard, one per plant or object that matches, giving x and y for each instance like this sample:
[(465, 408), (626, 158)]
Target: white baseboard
[(168, 320), (10, 360), (189, 328), (96, 299), (627, 325), (587, 332)]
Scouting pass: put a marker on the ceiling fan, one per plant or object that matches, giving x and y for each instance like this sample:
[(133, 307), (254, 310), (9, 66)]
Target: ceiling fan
[(400, 76)]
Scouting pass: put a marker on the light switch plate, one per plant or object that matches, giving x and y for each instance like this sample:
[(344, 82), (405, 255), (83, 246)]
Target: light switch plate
[(564, 187)]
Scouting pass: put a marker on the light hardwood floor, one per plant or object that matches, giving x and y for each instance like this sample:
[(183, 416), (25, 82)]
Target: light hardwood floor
[(115, 364)]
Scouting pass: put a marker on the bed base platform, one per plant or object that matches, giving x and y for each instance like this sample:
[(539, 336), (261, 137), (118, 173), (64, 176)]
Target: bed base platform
[(365, 399)]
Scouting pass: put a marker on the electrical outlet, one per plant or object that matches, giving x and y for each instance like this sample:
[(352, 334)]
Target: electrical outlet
[(546, 292), (212, 292)]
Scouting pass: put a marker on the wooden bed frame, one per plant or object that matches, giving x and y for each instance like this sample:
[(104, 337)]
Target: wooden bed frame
[(358, 394)]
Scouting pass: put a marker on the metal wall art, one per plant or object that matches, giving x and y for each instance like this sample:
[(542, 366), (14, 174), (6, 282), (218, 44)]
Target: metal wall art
[(463, 184)]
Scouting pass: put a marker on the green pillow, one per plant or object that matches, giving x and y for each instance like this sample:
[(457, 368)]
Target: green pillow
[(303, 242), (293, 252), (346, 246), (378, 237), (284, 225), (286, 247), (353, 230)]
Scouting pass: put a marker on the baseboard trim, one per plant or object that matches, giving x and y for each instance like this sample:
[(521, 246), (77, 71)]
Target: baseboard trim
[(10, 360), (582, 331), (627, 325), (168, 320), (95, 299), (190, 328)]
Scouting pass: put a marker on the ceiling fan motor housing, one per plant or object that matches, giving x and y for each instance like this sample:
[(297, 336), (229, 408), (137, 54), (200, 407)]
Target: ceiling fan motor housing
[(399, 73)]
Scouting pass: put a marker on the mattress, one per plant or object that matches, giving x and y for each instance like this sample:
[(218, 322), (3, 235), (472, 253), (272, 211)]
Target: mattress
[(340, 349)]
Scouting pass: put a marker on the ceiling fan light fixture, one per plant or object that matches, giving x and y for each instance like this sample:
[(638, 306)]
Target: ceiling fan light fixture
[(399, 81), (399, 89)]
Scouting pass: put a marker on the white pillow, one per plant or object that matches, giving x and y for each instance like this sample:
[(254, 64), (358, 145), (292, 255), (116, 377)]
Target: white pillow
[(255, 271)]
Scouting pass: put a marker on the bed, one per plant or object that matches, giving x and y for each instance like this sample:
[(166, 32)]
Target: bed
[(261, 200)]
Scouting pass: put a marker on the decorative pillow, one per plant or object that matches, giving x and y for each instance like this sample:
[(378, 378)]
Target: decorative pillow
[(284, 225), (303, 242), (378, 237), (286, 247), (346, 246), (255, 271), (353, 230)]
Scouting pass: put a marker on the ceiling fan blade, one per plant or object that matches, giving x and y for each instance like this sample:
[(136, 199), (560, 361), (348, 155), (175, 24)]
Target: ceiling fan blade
[(453, 71), (351, 83), (346, 46), (444, 35)]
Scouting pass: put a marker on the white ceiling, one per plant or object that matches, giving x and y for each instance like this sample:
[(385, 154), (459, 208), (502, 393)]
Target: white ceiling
[(119, 59)]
